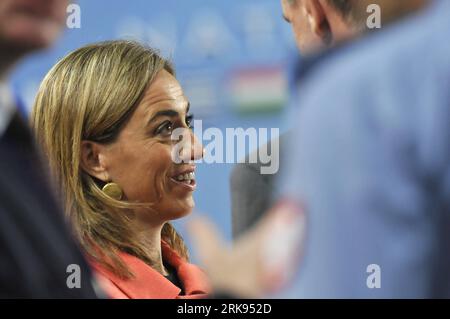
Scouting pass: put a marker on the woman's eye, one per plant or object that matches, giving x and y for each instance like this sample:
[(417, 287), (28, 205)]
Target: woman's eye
[(165, 129)]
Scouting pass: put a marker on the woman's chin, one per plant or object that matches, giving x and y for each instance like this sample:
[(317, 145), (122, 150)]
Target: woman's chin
[(187, 210), (183, 210)]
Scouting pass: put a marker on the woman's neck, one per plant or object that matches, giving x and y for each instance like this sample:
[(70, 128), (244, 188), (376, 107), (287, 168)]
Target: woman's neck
[(150, 238)]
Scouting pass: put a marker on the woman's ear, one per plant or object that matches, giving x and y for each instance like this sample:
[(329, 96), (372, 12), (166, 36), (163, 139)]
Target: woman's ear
[(92, 160), (318, 20)]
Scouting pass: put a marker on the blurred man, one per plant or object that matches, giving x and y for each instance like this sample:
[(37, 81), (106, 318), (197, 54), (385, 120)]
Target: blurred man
[(371, 167), (38, 257), (317, 25)]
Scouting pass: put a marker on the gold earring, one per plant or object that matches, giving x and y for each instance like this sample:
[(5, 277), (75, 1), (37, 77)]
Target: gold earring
[(113, 190)]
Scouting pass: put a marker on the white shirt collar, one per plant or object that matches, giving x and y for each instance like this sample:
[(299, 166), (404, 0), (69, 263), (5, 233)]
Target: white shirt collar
[(6, 106)]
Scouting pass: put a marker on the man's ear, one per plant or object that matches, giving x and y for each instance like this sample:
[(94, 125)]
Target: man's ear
[(92, 160), (318, 20)]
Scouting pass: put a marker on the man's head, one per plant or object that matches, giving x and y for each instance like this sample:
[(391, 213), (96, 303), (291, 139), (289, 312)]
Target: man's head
[(318, 24), (28, 25)]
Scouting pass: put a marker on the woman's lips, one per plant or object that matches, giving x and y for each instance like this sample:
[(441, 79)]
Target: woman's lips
[(185, 180)]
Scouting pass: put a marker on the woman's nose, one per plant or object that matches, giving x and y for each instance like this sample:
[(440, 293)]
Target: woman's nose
[(193, 149)]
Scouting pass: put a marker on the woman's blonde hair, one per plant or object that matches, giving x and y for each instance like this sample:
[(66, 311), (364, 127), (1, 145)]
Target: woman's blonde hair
[(89, 95)]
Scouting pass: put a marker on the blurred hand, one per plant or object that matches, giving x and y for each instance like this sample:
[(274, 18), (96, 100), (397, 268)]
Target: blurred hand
[(261, 261)]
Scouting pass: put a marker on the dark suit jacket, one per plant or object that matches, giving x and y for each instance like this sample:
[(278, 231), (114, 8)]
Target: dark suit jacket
[(252, 192), (35, 245)]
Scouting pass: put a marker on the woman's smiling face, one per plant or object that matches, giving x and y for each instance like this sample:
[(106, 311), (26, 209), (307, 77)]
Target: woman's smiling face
[(140, 159)]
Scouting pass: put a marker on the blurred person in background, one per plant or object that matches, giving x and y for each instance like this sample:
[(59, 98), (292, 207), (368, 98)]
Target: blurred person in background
[(105, 116), (371, 164), (319, 26), (370, 167), (36, 246)]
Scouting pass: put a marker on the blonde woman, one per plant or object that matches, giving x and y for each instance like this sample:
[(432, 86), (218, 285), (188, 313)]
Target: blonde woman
[(104, 116)]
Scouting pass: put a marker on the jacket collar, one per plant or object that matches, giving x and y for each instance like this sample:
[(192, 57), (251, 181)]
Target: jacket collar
[(147, 283)]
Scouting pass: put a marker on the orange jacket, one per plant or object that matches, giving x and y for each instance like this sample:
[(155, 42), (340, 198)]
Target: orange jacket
[(150, 284)]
